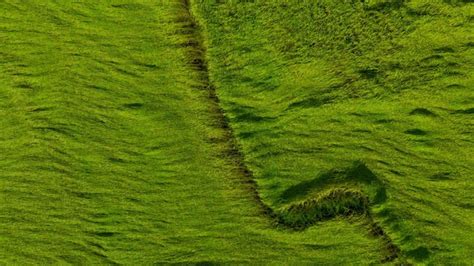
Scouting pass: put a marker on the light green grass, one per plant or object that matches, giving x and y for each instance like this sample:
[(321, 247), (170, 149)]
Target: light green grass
[(106, 151), (310, 87)]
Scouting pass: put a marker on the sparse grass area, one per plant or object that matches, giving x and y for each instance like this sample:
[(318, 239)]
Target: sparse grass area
[(311, 87)]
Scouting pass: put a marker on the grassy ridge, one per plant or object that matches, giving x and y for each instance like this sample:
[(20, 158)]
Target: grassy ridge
[(328, 204), (333, 203), (110, 151), (310, 87)]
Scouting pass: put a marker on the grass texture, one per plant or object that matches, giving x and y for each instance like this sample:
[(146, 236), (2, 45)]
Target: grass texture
[(314, 88), (238, 132), (111, 150)]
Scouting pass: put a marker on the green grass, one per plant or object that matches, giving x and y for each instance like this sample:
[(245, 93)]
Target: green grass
[(108, 150), (355, 119), (311, 87), (328, 204)]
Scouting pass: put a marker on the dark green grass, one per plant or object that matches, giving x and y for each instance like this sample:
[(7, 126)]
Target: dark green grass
[(325, 205), (311, 87), (108, 150)]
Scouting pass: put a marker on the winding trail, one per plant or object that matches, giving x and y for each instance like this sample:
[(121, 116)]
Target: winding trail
[(354, 202)]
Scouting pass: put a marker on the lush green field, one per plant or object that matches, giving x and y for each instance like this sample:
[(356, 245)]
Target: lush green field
[(108, 150), (314, 89), (114, 148)]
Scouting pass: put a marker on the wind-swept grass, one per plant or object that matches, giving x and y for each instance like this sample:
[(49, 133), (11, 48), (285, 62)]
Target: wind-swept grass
[(311, 87), (111, 151)]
